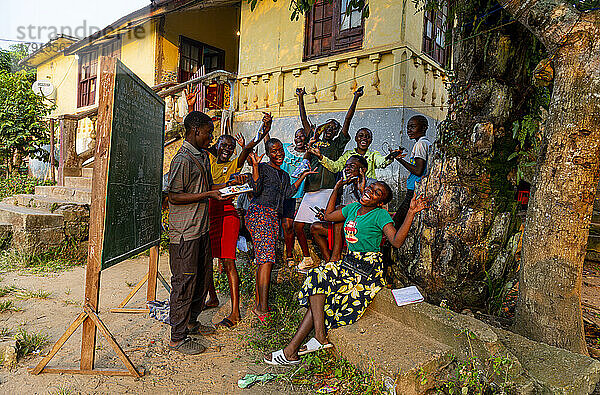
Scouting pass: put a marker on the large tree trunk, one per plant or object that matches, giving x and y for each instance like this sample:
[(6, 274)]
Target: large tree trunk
[(560, 210), (458, 247)]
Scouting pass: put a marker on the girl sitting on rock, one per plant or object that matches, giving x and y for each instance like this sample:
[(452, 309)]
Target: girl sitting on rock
[(338, 293)]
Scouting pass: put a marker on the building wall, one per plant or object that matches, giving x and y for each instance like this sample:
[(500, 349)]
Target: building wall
[(216, 27), (389, 65), (137, 53), (62, 71)]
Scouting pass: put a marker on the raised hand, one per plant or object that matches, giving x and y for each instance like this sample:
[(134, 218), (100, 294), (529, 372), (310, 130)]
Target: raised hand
[(300, 92), (308, 172), (362, 179), (240, 139), (359, 92), (255, 159), (267, 122), (315, 151), (418, 203)]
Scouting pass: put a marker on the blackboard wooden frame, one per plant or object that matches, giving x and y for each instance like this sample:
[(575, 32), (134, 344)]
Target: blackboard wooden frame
[(88, 318)]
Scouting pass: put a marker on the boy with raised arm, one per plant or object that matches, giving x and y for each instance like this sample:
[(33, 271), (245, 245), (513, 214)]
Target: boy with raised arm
[(363, 138), (318, 187)]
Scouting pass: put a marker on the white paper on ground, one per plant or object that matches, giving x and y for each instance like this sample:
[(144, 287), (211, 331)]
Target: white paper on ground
[(408, 295)]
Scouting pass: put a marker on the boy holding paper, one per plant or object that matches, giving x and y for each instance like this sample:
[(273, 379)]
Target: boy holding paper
[(224, 218)]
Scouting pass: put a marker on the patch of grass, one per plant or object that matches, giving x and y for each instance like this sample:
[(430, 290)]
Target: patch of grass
[(4, 332), (29, 342), (324, 368), (28, 294), (14, 184), (55, 259), (285, 316), (8, 305), (7, 290), (68, 302), (129, 284), (246, 274)]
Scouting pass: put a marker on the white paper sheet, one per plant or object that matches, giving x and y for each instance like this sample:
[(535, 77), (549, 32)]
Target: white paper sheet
[(408, 295)]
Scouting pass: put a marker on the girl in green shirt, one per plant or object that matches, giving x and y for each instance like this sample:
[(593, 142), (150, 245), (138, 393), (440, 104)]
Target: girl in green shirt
[(338, 293)]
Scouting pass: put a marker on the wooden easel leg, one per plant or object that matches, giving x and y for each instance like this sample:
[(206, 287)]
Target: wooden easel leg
[(111, 340), (152, 274), (137, 287), (57, 346), (164, 282)]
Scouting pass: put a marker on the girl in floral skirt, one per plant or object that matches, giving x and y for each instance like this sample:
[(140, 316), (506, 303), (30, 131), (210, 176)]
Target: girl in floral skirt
[(338, 293), (271, 187)]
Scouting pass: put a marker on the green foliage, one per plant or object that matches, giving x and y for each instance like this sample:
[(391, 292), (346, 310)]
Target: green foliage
[(325, 368), (477, 376), (9, 59), (14, 184), (28, 343), (8, 305), (22, 128)]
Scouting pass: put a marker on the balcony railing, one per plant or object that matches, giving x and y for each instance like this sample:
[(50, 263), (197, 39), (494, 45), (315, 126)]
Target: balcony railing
[(393, 75)]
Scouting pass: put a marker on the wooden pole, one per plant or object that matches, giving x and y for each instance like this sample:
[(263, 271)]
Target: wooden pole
[(52, 175), (152, 274), (98, 209)]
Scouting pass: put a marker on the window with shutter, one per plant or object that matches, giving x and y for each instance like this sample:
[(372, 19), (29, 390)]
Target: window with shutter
[(88, 70), (434, 35), (86, 91), (332, 27)]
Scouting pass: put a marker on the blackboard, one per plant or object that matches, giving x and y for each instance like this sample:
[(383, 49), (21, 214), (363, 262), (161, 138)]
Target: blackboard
[(133, 195)]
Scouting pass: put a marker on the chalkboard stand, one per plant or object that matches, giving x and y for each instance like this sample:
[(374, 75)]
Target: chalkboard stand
[(89, 317), (150, 277)]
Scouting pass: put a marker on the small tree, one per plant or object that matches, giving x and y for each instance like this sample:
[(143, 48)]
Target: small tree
[(22, 127)]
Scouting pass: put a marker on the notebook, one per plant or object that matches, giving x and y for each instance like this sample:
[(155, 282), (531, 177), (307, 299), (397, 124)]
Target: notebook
[(235, 190), (408, 295)]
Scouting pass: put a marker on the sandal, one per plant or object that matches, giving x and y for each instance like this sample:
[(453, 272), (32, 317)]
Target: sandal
[(226, 323), (314, 345), (290, 262), (188, 346), (261, 317), (200, 329), (278, 359)]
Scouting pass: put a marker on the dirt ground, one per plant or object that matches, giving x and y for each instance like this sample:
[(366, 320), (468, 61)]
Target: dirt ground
[(144, 340)]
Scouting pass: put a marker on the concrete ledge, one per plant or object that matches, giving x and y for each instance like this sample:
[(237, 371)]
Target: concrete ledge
[(65, 193), (554, 370), (414, 344)]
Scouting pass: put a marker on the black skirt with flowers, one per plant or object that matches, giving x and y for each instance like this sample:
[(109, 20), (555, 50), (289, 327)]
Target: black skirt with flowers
[(347, 293)]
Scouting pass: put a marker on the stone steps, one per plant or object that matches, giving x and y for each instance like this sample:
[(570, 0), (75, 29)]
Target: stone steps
[(434, 333), (48, 203), (67, 194), (78, 182), (51, 215), (32, 229), (394, 352)]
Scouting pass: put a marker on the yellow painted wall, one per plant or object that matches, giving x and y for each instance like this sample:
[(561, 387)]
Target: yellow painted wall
[(216, 27), (138, 53), (269, 38), (62, 71)]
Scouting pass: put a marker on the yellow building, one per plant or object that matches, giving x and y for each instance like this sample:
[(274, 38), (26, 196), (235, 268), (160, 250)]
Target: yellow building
[(396, 54)]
